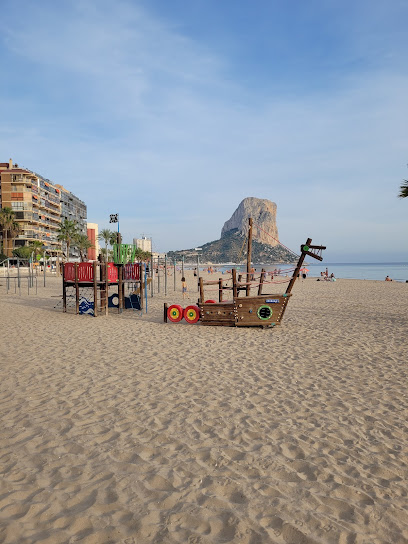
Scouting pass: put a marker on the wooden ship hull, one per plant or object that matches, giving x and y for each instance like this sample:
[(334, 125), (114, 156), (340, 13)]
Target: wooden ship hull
[(261, 310), (257, 311)]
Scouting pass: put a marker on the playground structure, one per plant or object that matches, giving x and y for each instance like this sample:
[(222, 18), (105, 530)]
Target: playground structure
[(98, 280), (260, 310)]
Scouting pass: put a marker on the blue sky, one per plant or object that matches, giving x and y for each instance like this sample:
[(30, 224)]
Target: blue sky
[(170, 112)]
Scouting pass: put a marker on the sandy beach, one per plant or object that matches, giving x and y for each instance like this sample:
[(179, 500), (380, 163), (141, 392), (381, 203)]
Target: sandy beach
[(124, 429)]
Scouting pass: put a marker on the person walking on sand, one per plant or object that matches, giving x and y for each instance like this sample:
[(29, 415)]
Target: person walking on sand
[(184, 288)]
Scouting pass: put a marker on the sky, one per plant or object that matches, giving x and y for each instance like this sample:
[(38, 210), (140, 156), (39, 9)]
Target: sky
[(170, 112)]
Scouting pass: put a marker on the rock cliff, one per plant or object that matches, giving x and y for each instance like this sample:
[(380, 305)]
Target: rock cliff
[(263, 213), (231, 248)]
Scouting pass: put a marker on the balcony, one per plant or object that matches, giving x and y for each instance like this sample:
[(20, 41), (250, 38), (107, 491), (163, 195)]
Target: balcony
[(28, 236), (20, 178), (24, 216)]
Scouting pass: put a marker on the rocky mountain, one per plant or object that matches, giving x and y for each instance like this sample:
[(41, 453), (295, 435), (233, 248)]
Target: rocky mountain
[(232, 246), (263, 213)]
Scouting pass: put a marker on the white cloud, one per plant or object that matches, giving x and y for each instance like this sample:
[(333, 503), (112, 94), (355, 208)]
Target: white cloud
[(143, 121)]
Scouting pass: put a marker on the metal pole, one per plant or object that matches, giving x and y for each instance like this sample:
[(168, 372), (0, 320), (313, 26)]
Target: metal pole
[(174, 274), (28, 285), (145, 278), (18, 271), (44, 265), (158, 274), (182, 267), (151, 274), (165, 275), (32, 269)]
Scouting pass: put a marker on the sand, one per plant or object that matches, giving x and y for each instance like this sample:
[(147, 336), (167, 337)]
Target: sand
[(128, 430)]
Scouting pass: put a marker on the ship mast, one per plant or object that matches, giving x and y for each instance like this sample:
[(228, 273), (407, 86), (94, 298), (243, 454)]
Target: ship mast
[(249, 254)]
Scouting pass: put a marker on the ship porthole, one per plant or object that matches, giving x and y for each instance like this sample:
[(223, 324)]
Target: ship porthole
[(264, 312)]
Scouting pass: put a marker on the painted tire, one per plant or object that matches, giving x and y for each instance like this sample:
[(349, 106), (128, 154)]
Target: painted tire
[(210, 302), (192, 314), (175, 313)]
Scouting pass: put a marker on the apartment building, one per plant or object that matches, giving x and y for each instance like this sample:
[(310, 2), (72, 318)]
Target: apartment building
[(40, 207), (143, 243), (36, 204), (73, 209)]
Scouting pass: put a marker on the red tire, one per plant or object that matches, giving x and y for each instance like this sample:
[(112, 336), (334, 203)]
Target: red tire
[(175, 313), (210, 302), (192, 314)]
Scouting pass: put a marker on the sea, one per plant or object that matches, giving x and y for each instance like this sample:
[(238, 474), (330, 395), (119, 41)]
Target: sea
[(356, 271)]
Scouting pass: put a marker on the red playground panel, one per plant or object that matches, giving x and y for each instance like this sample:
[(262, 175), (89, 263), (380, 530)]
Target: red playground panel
[(85, 272)]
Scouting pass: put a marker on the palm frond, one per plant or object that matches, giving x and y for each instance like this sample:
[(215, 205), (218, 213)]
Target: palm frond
[(404, 190)]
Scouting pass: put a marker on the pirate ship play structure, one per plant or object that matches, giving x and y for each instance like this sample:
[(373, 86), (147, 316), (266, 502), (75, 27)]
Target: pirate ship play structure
[(260, 310)]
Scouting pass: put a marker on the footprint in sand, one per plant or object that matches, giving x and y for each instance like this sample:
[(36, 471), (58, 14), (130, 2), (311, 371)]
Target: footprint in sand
[(292, 452), (158, 483)]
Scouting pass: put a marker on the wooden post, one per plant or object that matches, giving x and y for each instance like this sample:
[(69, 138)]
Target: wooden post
[(295, 274), (201, 290), (261, 280), (64, 290), (120, 287), (76, 289), (165, 313), (102, 286), (220, 290), (249, 253), (198, 272), (298, 267), (106, 288), (165, 275), (95, 289), (234, 283)]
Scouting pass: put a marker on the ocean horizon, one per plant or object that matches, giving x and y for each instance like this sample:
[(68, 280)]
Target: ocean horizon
[(397, 271)]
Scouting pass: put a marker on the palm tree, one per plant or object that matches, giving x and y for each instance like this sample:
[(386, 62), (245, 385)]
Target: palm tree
[(36, 247), (142, 255), (83, 243), (106, 235), (404, 190), (67, 233), (7, 224), (14, 229)]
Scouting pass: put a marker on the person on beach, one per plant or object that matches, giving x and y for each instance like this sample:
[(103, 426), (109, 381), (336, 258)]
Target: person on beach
[(388, 278), (184, 288)]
